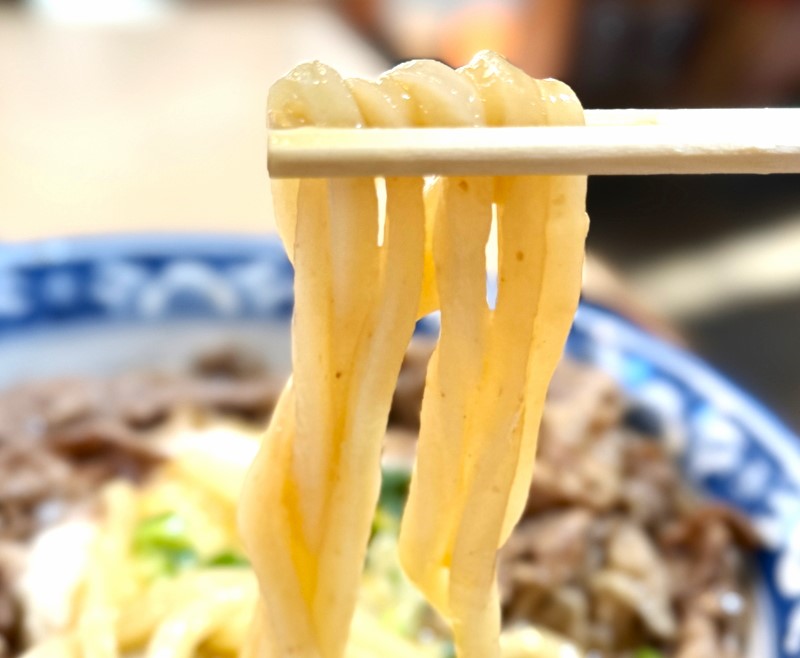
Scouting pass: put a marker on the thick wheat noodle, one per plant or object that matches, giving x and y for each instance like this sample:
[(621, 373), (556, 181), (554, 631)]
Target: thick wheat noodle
[(309, 498), (487, 380)]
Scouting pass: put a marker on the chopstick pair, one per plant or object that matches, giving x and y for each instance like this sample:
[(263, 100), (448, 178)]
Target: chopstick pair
[(631, 142)]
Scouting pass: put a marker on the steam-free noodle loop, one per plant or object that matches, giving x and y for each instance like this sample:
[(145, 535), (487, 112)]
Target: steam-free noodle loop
[(309, 499)]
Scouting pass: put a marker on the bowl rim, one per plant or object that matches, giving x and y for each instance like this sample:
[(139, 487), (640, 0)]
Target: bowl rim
[(99, 246)]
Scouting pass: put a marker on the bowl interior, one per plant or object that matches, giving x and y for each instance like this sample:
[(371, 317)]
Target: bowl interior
[(102, 305)]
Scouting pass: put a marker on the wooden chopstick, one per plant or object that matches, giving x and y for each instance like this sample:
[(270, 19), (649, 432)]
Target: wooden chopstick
[(728, 141)]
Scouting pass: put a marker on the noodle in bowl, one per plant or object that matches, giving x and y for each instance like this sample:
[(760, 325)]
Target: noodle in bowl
[(207, 290)]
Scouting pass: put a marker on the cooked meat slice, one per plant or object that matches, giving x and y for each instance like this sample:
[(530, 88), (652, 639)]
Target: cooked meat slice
[(556, 543), (582, 402), (638, 595), (705, 514), (564, 610), (230, 362), (699, 638), (704, 551), (615, 626), (652, 484), (637, 576), (250, 398), (90, 439), (631, 550), (540, 569), (588, 475), (30, 474)]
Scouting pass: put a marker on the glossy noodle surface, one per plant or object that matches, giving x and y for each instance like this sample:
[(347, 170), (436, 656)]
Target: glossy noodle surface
[(310, 497), (309, 500), (488, 378)]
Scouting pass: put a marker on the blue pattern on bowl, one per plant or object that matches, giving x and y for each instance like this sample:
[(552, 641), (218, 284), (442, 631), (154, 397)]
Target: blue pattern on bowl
[(142, 279), (730, 446)]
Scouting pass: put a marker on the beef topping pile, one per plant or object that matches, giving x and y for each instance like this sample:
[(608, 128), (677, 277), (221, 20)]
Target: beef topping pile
[(614, 551)]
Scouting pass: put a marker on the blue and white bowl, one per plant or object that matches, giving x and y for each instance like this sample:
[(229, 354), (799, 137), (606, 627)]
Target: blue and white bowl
[(100, 305)]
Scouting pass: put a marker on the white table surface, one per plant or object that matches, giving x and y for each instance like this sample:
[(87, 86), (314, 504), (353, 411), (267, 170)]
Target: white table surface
[(157, 126)]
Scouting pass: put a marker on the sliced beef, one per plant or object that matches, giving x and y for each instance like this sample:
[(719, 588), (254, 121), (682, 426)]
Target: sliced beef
[(615, 550)]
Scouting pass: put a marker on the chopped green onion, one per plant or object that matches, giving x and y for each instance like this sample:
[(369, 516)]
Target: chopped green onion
[(392, 500), (227, 559), (166, 562), (178, 560), (166, 530), (394, 490), (162, 542)]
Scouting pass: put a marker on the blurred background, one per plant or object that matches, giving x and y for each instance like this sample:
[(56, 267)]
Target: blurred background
[(126, 115)]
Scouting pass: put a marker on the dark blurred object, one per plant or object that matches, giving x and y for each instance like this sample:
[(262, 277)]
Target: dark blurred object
[(637, 219), (750, 55), (363, 14), (635, 54), (616, 53), (687, 53)]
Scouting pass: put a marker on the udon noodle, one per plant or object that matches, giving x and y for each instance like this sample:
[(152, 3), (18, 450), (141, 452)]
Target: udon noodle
[(129, 519), (363, 276)]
